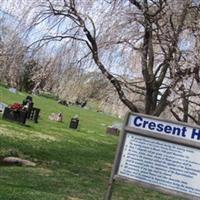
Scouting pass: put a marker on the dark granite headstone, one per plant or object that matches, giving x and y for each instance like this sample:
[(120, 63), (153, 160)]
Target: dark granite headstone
[(74, 123), (34, 114), (18, 116)]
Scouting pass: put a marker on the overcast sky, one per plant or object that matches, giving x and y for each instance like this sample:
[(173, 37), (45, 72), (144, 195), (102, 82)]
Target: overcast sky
[(15, 7)]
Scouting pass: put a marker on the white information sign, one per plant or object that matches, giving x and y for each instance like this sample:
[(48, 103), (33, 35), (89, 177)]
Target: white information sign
[(160, 163), (158, 126), (158, 154)]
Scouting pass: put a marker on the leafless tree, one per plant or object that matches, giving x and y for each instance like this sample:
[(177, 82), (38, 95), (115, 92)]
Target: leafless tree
[(11, 57), (139, 46)]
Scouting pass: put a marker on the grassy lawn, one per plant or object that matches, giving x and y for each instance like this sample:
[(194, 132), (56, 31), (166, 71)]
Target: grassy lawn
[(71, 164)]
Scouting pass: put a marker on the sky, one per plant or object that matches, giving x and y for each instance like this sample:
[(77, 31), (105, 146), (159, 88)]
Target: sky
[(17, 8)]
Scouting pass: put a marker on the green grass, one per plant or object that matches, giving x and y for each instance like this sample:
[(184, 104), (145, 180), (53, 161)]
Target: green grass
[(71, 164)]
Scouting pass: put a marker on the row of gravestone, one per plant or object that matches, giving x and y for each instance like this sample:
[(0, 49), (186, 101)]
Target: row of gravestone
[(58, 117), (32, 113), (21, 112), (82, 104)]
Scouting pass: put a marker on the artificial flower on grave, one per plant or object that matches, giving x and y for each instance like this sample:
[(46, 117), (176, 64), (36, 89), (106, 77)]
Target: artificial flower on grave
[(16, 107)]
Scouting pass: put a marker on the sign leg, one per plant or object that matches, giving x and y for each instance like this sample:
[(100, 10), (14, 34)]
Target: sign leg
[(108, 195)]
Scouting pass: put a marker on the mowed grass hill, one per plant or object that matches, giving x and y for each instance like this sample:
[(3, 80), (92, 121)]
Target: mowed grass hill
[(71, 164)]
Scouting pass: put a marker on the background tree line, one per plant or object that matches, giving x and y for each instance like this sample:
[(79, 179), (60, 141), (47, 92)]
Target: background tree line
[(147, 52)]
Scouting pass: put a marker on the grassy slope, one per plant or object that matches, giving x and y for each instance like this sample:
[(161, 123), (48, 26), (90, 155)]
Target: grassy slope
[(72, 165)]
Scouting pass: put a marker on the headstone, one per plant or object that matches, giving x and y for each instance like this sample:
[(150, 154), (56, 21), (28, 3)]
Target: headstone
[(28, 105), (18, 116), (13, 90), (63, 102), (83, 104), (58, 117), (2, 107), (35, 114), (114, 129), (74, 122), (29, 108)]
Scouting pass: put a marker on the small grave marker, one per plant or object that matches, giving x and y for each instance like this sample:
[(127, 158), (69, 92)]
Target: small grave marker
[(2, 107), (74, 122), (13, 90), (114, 129)]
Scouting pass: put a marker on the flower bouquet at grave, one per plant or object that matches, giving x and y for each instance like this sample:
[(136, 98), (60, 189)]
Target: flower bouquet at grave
[(16, 107), (15, 112)]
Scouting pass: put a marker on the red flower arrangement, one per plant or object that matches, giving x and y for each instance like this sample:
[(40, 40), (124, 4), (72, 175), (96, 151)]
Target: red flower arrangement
[(16, 107)]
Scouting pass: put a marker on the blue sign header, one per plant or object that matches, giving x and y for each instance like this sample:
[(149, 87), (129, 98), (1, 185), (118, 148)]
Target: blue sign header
[(164, 127)]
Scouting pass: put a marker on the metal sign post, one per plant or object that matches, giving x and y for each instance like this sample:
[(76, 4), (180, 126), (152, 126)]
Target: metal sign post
[(158, 154)]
